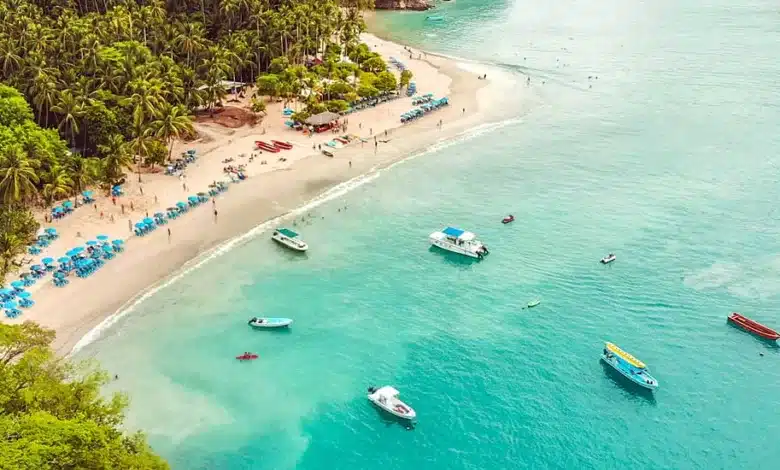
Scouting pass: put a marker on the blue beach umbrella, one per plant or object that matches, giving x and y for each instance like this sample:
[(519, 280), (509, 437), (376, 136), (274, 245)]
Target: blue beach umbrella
[(181, 204), (140, 225), (59, 275), (25, 295), (36, 267), (87, 193), (118, 242), (10, 305), (47, 260), (17, 285), (57, 209), (148, 221), (6, 291), (67, 204), (102, 238), (64, 259), (51, 230), (92, 243)]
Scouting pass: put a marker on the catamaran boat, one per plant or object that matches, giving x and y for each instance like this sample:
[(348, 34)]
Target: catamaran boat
[(632, 368), (261, 322), (459, 241), (387, 399), (289, 239), (608, 259)]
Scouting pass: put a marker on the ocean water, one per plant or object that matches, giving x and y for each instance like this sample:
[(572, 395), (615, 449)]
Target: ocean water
[(668, 158)]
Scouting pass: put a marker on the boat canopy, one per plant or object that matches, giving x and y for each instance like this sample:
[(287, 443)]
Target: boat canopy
[(458, 233), (625, 356), (287, 232), (388, 391)]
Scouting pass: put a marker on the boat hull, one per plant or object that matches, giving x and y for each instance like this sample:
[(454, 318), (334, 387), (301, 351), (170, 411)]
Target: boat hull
[(269, 323), (444, 245), (754, 327), (607, 260), (626, 372), (407, 416), (290, 245)]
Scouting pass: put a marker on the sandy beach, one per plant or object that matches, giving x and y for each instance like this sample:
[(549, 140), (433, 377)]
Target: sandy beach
[(271, 190)]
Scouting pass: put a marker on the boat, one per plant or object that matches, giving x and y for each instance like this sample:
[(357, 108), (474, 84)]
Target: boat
[(282, 145), (631, 368), (608, 259), (459, 241), (327, 154), (265, 322), (386, 398), (533, 303), (247, 356), (289, 239), (260, 145), (753, 326), (434, 18), (508, 219)]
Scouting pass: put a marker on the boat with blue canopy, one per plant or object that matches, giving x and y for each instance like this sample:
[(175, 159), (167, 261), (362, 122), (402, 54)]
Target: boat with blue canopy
[(289, 239), (629, 366), (459, 241)]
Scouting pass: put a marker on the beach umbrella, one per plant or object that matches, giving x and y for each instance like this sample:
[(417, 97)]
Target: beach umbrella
[(192, 198), (17, 284), (171, 209), (51, 230), (87, 193), (64, 259), (6, 291), (57, 209), (67, 204), (24, 295), (148, 221), (118, 242), (181, 204), (159, 215), (47, 260), (36, 267), (59, 275), (11, 305), (92, 243), (102, 238), (201, 194)]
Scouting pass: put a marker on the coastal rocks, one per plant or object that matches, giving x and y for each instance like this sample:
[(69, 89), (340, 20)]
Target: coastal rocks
[(418, 5)]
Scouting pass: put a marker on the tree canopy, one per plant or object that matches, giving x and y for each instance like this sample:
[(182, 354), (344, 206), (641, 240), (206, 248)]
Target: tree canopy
[(52, 415)]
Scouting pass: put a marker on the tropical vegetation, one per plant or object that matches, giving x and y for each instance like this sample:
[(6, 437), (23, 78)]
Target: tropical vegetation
[(91, 90), (52, 414)]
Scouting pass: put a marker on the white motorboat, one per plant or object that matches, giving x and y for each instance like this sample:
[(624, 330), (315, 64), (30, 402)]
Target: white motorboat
[(262, 322), (459, 241), (289, 239), (608, 259), (387, 399)]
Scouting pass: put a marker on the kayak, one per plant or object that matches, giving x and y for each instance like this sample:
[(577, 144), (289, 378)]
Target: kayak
[(247, 357), (508, 219), (534, 303)]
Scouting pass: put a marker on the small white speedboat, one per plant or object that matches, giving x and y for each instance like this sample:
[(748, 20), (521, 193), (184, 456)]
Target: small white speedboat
[(289, 239), (264, 322), (608, 259), (387, 399)]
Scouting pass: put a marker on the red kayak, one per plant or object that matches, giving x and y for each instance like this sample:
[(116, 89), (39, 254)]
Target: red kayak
[(753, 326), (507, 219), (247, 357), (260, 145), (282, 145)]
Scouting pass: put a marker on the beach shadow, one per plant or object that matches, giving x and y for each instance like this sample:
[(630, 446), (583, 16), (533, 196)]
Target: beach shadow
[(626, 385), (453, 258), (769, 344), (392, 420)]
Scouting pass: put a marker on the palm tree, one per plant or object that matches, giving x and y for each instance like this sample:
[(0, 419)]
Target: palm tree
[(116, 159), (59, 184), (174, 121), (83, 171), (71, 109), (141, 143), (17, 176), (11, 246)]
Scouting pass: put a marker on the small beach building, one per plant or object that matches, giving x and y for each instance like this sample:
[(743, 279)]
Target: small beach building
[(322, 121)]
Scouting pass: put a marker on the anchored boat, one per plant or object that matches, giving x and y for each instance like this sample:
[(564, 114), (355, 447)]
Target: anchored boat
[(459, 241), (753, 326), (631, 368), (387, 399), (289, 239), (263, 322), (608, 259)]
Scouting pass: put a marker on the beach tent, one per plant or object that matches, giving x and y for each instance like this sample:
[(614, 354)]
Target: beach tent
[(322, 118)]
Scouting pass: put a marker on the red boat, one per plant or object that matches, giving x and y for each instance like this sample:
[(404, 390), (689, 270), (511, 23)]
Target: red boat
[(247, 357), (282, 145), (753, 326), (507, 219), (259, 144)]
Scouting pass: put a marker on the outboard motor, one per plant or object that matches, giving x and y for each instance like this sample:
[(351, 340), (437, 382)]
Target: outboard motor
[(372, 389)]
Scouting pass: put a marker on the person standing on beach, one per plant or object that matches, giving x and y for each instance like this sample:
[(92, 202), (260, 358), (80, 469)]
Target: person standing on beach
[(169, 234), (215, 215), (350, 163), (123, 209), (130, 225)]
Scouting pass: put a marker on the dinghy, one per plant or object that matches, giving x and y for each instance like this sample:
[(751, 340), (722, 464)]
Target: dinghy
[(289, 239), (264, 322), (608, 259), (508, 219), (247, 356), (533, 303)]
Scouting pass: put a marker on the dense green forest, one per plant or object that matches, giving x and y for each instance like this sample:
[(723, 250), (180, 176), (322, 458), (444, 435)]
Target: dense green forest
[(92, 89), (52, 415)]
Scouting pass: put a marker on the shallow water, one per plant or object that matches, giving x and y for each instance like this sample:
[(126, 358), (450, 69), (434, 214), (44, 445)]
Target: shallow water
[(668, 159)]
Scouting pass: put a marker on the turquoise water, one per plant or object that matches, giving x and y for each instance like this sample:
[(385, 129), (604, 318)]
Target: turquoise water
[(669, 160)]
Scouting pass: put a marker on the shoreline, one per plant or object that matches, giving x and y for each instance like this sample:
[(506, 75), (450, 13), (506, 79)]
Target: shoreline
[(80, 312)]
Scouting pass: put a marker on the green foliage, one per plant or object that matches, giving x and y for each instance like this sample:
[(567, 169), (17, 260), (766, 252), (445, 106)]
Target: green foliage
[(14, 110), (385, 82), (374, 65), (367, 91), (257, 105), (406, 78), (337, 106), (268, 84), (52, 415), (17, 229), (157, 153), (300, 116)]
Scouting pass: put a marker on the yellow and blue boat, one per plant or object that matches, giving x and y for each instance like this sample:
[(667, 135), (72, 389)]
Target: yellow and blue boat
[(629, 366)]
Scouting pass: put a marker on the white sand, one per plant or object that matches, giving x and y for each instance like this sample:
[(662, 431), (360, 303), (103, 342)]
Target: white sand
[(271, 190)]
